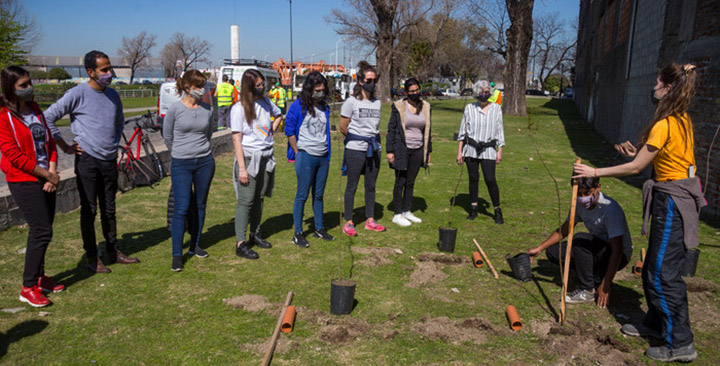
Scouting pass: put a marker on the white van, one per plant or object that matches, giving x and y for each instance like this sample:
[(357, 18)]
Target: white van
[(234, 70), (167, 95)]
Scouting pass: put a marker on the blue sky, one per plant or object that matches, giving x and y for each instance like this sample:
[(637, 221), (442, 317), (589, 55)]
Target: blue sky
[(71, 28)]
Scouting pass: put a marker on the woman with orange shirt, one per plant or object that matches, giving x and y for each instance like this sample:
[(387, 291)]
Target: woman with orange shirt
[(674, 197)]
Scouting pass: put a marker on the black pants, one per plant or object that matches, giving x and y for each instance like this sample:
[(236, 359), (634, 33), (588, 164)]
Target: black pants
[(665, 290), (405, 181), (38, 208), (589, 258), (357, 163), (97, 183), (488, 169)]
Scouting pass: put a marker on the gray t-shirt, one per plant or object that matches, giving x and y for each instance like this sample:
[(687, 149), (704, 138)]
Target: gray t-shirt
[(312, 137), (364, 120), (187, 131), (606, 221), (96, 119), (38, 133), (414, 128)]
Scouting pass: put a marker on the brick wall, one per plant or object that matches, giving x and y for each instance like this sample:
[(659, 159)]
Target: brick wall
[(707, 22), (624, 24)]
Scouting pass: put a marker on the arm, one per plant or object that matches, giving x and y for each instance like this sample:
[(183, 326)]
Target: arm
[(461, 135), (603, 295), (169, 128), (55, 112), (346, 112), (344, 123), (49, 186), (551, 240), (293, 143), (500, 137), (643, 158), (243, 176)]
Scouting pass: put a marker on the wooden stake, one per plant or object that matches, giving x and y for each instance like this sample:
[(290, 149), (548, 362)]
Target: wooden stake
[(642, 255), (487, 260), (571, 229), (276, 333)]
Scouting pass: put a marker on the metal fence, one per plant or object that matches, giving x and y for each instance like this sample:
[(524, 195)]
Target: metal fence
[(135, 93)]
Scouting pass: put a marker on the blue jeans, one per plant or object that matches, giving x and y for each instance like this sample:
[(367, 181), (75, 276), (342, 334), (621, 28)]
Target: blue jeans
[(185, 174), (312, 173)]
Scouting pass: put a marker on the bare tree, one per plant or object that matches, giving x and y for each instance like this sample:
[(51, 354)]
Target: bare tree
[(552, 45), (493, 15), (376, 24), (519, 38), (19, 33), (135, 50), (188, 50)]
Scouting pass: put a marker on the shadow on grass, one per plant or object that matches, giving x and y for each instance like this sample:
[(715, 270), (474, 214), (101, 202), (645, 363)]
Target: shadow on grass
[(463, 200), (25, 329), (418, 204), (139, 241), (624, 304), (74, 275)]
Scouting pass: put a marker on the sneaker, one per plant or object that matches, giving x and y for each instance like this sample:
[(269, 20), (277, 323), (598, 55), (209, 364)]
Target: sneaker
[(473, 213), (665, 354), (371, 224), (198, 252), (33, 296), (46, 284), (498, 216), (243, 250), (579, 296), (97, 266), (640, 330), (299, 240), (349, 229), (177, 264), (409, 215), (322, 234), (259, 242), (398, 219)]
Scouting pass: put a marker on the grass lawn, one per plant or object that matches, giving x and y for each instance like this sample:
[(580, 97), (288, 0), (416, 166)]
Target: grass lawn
[(414, 306)]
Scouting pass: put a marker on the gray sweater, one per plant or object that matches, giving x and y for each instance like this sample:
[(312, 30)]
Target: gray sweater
[(187, 131), (96, 119)]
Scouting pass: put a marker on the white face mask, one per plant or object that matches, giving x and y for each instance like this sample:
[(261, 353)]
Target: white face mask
[(197, 93), (588, 201)]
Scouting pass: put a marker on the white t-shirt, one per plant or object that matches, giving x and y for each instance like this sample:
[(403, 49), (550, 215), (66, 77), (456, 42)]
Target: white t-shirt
[(312, 137), (606, 221), (364, 120), (257, 136)]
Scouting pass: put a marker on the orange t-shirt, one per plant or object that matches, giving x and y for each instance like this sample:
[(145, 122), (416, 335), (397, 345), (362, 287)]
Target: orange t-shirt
[(675, 140)]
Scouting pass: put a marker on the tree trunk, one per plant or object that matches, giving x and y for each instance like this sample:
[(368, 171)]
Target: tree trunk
[(386, 14), (132, 75), (519, 38)]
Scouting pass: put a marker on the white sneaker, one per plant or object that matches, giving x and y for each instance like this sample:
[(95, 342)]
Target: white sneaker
[(400, 220), (409, 216)]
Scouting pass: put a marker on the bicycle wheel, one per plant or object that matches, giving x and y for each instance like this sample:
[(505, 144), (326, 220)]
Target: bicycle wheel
[(126, 174)]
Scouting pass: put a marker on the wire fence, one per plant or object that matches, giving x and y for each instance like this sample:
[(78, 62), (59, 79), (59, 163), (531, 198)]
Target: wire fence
[(134, 93)]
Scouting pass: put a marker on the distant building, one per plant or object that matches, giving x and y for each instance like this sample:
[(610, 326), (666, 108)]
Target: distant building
[(151, 68), (622, 44)]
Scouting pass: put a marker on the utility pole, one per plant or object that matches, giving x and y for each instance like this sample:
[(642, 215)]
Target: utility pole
[(292, 80)]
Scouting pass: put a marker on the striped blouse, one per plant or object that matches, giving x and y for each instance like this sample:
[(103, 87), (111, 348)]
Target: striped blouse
[(482, 127)]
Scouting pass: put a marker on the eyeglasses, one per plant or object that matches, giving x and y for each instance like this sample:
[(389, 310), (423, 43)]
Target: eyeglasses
[(371, 80), (416, 91), (261, 85)]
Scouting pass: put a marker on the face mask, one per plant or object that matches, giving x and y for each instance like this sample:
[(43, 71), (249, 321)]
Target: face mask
[(369, 88), (104, 79), (483, 98), (25, 94), (414, 97), (258, 92), (318, 96), (197, 93), (653, 96), (587, 201)]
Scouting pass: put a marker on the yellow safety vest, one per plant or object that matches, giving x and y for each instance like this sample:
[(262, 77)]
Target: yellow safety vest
[(282, 96), (225, 94)]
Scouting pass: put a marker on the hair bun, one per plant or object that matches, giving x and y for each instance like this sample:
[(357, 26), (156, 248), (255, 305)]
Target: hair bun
[(363, 64), (689, 67)]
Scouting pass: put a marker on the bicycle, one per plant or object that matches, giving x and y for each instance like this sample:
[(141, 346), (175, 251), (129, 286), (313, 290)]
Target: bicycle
[(132, 170)]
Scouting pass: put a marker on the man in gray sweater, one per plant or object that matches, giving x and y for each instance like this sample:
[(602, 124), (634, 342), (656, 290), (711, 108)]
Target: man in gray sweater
[(96, 120)]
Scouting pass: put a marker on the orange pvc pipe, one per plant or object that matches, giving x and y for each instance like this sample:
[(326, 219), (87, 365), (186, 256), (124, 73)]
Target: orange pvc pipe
[(513, 318), (637, 269), (477, 259), (288, 319)]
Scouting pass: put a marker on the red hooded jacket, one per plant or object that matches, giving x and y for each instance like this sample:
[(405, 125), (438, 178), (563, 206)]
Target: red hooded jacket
[(17, 147)]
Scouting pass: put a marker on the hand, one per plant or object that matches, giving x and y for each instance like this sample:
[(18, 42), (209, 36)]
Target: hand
[(460, 159), (49, 187), (533, 252), (603, 295), (391, 158), (498, 159), (627, 149), (428, 159), (53, 178), (244, 177), (582, 170), (73, 149)]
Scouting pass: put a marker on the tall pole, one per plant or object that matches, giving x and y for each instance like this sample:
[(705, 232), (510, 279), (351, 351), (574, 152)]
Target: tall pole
[(292, 81)]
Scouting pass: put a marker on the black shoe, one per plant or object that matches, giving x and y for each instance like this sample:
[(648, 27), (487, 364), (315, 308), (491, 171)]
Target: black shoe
[(259, 242), (300, 240), (322, 234), (198, 252), (473, 213), (498, 216), (177, 264), (244, 251)]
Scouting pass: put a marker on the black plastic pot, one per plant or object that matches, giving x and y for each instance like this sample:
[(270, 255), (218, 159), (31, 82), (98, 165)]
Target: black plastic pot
[(691, 260), (520, 265), (342, 296), (447, 239)]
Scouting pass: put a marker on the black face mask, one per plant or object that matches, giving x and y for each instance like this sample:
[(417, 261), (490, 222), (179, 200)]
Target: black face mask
[(258, 92), (369, 88), (414, 97), (483, 98), (654, 98)]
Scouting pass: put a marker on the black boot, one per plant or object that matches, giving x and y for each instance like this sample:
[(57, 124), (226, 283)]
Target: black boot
[(473, 212), (498, 216)]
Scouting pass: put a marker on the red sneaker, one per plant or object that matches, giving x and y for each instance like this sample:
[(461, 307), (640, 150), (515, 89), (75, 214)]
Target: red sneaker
[(46, 284), (34, 297), (371, 224), (349, 229)]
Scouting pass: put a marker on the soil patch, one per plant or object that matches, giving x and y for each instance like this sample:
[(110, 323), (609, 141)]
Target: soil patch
[(283, 345), (448, 259), (426, 273), (581, 343), (697, 284), (456, 332), (375, 256), (703, 310), (253, 303), (340, 330)]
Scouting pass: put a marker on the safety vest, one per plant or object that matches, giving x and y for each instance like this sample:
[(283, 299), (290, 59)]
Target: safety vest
[(279, 97), (225, 94), (496, 97)]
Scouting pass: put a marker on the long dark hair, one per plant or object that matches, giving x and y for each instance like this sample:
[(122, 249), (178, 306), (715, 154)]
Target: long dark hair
[(9, 99), (247, 98), (314, 78), (408, 83), (681, 79), (363, 68)]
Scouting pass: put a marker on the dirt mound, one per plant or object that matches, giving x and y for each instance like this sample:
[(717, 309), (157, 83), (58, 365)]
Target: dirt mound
[(697, 284), (703, 310), (253, 303), (375, 256), (456, 332), (283, 345), (443, 258), (425, 273), (340, 330), (581, 343)]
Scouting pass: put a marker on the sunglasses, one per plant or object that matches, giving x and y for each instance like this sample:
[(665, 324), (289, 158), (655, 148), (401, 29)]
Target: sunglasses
[(371, 80)]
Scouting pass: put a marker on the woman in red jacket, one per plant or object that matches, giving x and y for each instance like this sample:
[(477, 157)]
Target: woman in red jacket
[(28, 158)]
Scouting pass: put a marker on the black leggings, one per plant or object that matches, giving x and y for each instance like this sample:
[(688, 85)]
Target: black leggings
[(405, 181), (488, 169), (357, 164), (589, 258)]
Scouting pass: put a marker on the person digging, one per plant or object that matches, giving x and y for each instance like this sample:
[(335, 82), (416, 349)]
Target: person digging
[(596, 256)]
